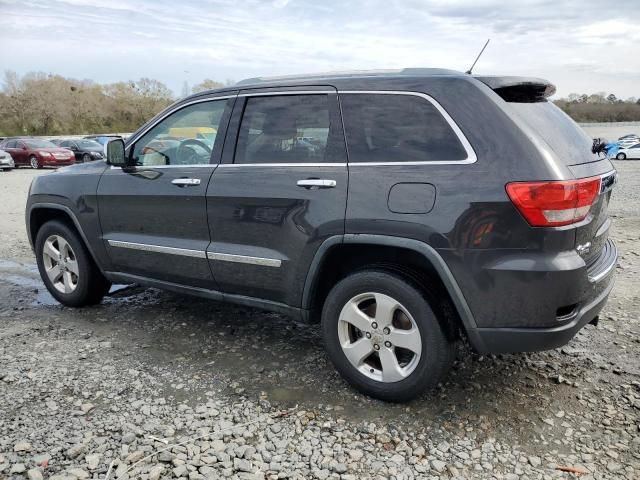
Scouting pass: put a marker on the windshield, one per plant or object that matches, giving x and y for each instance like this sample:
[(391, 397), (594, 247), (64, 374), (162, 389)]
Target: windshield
[(39, 144), (89, 144)]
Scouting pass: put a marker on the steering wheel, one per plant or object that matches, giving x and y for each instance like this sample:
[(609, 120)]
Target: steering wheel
[(187, 156)]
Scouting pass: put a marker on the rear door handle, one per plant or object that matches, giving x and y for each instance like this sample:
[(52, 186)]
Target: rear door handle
[(186, 182), (317, 183)]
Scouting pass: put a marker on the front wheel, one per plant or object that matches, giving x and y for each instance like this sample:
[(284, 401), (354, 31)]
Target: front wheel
[(384, 337), (621, 156), (66, 267), (33, 161)]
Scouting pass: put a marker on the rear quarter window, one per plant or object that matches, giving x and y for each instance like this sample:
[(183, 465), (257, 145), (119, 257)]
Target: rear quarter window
[(565, 138), (389, 128)]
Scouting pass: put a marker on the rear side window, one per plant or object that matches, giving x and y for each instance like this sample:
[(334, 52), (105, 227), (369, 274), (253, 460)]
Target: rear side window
[(397, 128), (284, 129)]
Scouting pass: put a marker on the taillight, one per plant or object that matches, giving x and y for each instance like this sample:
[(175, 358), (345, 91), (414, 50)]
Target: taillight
[(554, 203)]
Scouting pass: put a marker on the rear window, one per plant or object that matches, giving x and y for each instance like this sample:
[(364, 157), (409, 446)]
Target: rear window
[(397, 128), (564, 137)]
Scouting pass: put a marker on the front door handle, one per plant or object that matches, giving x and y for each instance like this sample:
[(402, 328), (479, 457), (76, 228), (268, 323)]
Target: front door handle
[(317, 183), (186, 182)]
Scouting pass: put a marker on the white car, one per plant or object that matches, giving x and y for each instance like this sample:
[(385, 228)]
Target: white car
[(6, 161), (632, 152), (628, 141)]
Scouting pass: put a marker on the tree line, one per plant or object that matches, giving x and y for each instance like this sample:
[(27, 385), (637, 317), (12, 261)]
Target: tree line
[(600, 107), (46, 104)]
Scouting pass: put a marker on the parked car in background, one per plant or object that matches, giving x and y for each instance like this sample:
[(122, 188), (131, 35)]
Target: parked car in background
[(102, 139), (37, 153), (6, 161), (630, 153), (85, 150), (628, 141)]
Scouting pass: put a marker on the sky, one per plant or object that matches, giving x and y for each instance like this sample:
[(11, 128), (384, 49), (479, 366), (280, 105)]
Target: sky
[(583, 46)]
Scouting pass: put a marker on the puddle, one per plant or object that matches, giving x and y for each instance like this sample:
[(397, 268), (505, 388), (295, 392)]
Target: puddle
[(27, 275)]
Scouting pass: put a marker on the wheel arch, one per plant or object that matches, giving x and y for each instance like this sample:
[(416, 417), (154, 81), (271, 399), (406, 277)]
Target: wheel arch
[(343, 246), (40, 213)]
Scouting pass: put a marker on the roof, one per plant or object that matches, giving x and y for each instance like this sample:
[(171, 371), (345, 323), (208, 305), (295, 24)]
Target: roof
[(407, 72)]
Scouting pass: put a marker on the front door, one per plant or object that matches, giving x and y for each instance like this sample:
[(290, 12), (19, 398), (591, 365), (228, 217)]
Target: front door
[(279, 193), (153, 218)]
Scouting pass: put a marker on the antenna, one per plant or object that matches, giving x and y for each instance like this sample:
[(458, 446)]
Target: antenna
[(476, 60)]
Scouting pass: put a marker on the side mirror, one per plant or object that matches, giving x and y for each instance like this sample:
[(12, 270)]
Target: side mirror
[(115, 153)]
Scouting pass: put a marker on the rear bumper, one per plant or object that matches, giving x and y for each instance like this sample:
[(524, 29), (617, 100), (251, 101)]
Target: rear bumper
[(506, 340), (539, 305)]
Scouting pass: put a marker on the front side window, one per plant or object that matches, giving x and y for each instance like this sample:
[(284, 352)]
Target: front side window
[(397, 128), (284, 129), (185, 137)]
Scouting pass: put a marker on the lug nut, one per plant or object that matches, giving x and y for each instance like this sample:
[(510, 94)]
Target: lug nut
[(386, 330), (376, 346), (387, 344), (368, 335), (374, 325)]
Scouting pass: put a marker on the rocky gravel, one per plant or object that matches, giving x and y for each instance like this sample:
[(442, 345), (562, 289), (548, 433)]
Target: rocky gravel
[(153, 385)]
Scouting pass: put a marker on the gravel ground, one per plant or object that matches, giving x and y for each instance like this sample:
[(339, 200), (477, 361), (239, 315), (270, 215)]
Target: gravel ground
[(249, 394)]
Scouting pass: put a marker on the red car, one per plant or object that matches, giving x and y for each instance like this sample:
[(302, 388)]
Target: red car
[(37, 153)]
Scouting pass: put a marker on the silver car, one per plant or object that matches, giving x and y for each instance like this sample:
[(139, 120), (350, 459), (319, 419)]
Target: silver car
[(6, 161)]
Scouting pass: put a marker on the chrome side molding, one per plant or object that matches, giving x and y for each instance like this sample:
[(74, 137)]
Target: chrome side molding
[(158, 249), (227, 257)]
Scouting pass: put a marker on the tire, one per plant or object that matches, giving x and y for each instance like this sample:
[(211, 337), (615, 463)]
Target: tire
[(417, 368), (83, 283), (621, 156), (33, 161), (86, 158)]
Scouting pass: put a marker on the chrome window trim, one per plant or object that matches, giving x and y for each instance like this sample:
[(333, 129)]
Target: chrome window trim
[(286, 92), (235, 165), (471, 154), (133, 139), (151, 167), (145, 247), (228, 257)]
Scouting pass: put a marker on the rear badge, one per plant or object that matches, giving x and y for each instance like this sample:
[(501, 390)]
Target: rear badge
[(584, 249)]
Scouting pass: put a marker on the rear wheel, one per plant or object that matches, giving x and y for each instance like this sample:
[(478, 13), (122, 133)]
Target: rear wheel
[(33, 161), (621, 156), (66, 268), (383, 336)]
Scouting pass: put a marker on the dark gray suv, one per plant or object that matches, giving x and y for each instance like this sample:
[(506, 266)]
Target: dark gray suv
[(403, 210)]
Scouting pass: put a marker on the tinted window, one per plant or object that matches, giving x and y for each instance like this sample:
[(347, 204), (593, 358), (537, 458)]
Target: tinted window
[(397, 128), (185, 137), (284, 129), (566, 138), (11, 144)]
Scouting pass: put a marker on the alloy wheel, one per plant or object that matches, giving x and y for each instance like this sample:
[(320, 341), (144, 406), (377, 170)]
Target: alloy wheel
[(60, 264), (379, 337), (34, 162)]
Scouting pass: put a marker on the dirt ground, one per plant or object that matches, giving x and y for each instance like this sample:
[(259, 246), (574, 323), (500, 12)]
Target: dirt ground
[(83, 390)]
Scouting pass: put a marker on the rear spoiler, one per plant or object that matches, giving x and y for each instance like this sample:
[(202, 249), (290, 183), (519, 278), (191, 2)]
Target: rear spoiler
[(519, 89)]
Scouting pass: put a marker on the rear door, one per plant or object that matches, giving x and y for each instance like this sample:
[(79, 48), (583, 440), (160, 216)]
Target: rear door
[(279, 193), (153, 218), (18, 151)]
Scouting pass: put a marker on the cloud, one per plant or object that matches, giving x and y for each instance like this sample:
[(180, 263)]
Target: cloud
[(222, 39)]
